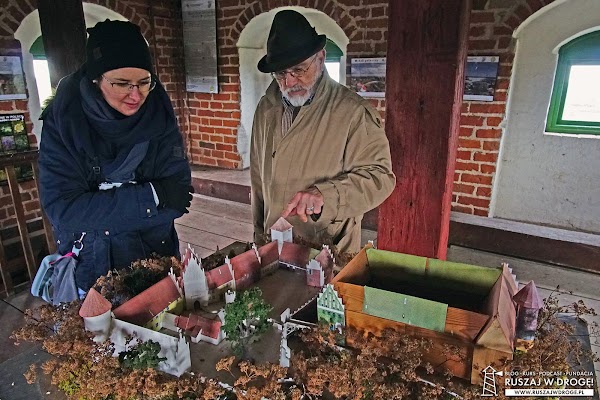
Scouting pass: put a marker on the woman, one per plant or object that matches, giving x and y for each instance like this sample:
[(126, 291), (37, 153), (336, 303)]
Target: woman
[(112, 162)]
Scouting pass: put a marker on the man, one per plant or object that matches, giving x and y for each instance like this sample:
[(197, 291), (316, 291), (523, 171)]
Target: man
[(319, 155)]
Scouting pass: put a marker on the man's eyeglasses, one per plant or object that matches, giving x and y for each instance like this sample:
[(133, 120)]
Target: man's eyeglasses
[(296, 72), (126, 87)]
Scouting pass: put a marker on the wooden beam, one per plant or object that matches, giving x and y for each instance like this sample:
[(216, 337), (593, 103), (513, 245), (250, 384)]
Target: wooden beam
[(427, 43), (64, 36)]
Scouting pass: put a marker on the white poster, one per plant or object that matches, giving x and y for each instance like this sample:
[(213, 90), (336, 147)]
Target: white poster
[(367, 76), (200, 45), (12, 83)]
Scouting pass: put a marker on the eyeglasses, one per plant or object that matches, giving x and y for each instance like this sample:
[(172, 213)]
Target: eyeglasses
[(126, 87), (294, 72)]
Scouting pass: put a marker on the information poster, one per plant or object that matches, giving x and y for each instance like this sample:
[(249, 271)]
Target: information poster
[(13, 139), (200, 45), (12, 83), (480, 78), (367, 76)]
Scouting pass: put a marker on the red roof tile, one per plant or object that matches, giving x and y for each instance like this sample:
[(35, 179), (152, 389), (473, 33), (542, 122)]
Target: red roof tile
[(219, 276), (244, 264), (194, 323), (143, 307), (94, 304), (529, 297), (294, 254), (268, 253), (281, 225)]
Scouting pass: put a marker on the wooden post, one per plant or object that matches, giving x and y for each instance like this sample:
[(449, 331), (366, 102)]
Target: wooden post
[(64, 36), (427, 43)]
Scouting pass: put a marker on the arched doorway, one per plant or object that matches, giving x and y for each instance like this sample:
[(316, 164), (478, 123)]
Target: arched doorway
[(28, 32), (252, 47)]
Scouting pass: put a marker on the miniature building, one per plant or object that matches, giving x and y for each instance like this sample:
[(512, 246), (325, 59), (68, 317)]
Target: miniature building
[(330, 308), (529, 304), (466, 306), (194, 282), (319, 270), (201, 328), (148, 308), (95, 311), (281, 232)]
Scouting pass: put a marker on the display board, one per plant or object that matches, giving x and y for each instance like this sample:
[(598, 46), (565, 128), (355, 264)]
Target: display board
[(200, 45)]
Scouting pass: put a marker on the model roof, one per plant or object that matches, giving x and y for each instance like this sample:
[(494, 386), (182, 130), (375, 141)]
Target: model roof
[(195, 323), (94, 305), (268, 253), (294, 254), (245, 263), (219, 276), (281, 225), (529, 297), (143, 307)]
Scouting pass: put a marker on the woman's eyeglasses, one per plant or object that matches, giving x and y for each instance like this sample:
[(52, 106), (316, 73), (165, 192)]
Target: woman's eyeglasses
[(126, 87), (294, 72)]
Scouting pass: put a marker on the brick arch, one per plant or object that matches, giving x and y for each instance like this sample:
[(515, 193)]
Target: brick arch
[(14, 15), (330, 8), (519, 14), (128, 12)]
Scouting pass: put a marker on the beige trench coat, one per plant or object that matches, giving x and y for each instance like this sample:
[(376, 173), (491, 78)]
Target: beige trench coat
[(337, 144)]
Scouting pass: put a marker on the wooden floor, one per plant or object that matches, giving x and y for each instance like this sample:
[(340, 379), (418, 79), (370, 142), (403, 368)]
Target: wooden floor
[(214, 222)]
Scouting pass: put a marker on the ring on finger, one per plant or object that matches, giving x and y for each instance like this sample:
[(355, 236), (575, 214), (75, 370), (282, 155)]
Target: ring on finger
[(311, 209)]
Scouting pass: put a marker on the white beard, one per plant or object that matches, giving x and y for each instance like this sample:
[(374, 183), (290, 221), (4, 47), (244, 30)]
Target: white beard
[(296, 100)]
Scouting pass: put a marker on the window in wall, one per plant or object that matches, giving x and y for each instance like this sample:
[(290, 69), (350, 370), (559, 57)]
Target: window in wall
[(332, 59), (575, 102), (40, 69)]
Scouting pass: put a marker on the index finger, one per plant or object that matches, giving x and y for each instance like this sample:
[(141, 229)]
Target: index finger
[(291, 205)]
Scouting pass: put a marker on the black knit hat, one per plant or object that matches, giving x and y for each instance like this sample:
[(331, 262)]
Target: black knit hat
[(116, 44), (291, 41)]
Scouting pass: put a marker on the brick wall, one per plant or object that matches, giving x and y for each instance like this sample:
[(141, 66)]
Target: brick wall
[(214, 118), (492, 25)]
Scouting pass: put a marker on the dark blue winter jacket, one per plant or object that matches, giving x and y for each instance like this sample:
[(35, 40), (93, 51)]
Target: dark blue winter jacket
[(83, 141)]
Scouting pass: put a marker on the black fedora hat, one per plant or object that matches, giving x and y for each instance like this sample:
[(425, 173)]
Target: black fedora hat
[(291, 41)]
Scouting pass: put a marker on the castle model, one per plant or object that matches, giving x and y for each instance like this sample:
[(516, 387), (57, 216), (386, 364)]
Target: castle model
[(165, 312)]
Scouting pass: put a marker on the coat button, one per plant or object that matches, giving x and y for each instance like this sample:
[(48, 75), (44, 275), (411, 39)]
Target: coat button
[(106, 233), (148, 211), (58, 242), (162, 241)]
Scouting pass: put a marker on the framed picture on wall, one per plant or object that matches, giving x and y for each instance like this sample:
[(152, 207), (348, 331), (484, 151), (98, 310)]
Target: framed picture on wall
[(12, 82), (480, 78), (14, 139), (367, 76)]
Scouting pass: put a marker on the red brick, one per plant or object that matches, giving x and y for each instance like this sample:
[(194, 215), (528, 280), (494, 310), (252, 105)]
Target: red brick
[(462, 209), (473, 201), (488, 133), (484, 191), (487, 108), (491, 145), (463, 166), (488, 169), (485, 157), (477, 31), (471, 121), (482, 16), (481, 179), (462, 188), (469, 144), (465, 132), (480, 212), (463, 155)]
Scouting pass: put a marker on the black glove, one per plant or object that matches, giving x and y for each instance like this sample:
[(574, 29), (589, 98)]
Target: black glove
[(172, 194)]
